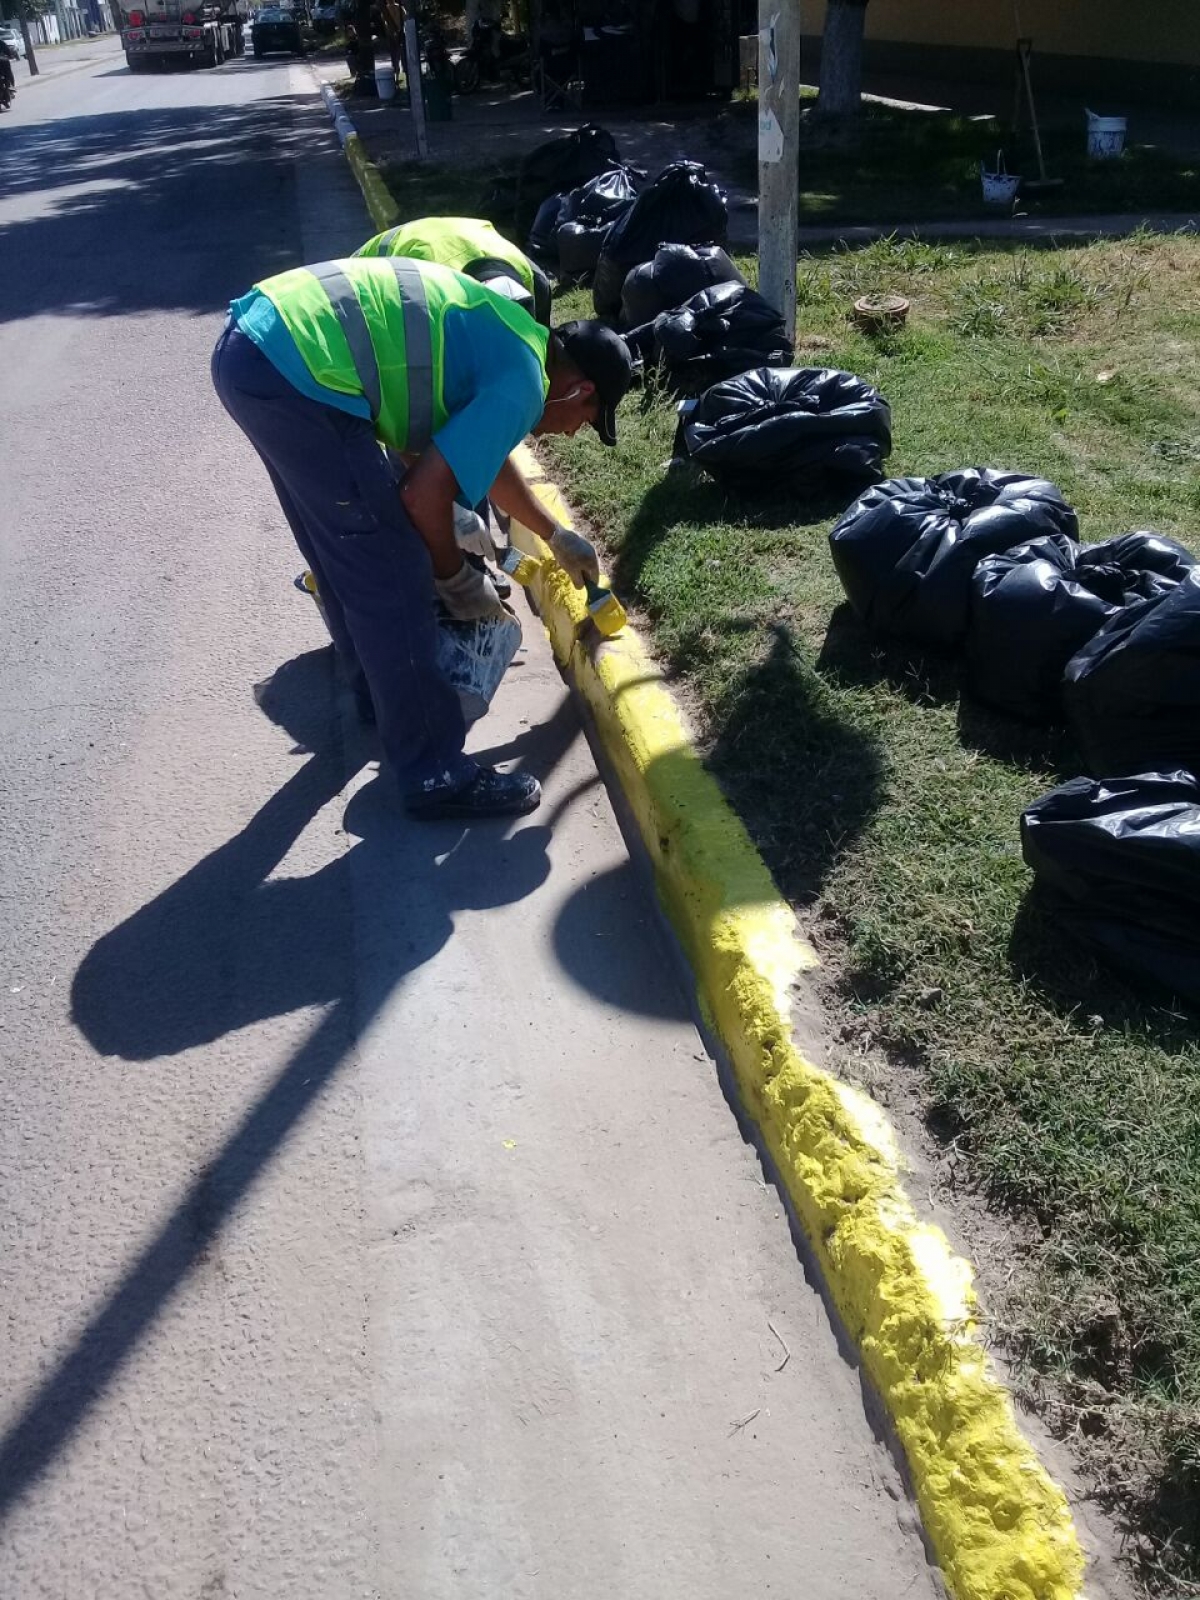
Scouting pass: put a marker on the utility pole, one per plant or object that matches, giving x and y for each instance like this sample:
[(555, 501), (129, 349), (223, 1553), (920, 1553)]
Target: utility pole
[(778, 153), (416, 96)]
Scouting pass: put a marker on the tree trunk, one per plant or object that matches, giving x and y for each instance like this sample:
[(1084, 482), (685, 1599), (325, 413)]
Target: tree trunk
[(841, 59), (30, 58)]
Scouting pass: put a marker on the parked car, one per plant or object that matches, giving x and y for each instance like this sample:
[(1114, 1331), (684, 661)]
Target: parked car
[(11, 36), (325, 19), (274, 29)]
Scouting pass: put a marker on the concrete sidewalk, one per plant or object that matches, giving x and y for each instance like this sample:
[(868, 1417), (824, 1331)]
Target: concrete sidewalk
[(54, 61)]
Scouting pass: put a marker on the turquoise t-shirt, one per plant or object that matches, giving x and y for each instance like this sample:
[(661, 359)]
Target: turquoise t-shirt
[(494, 386)]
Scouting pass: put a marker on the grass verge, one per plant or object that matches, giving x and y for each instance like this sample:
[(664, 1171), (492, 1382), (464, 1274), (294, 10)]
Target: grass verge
[(887, 806)]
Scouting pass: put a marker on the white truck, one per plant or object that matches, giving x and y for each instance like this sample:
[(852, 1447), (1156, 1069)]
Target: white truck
[(202, 33)]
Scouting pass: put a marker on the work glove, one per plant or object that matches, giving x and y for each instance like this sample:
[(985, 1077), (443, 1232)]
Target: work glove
[(472, 533), (469, 596), (575, 555)]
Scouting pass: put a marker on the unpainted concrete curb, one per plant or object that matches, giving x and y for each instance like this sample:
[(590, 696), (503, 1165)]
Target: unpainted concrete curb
[(1000, 1527)]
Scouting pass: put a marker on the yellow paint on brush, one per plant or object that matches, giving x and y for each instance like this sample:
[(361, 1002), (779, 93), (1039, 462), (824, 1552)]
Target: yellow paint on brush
[(1000, 1526)]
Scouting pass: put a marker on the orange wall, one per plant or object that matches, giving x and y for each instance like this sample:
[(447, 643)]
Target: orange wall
[(1123, 30)]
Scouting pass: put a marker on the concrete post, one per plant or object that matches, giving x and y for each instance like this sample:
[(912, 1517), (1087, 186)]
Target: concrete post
[(416, 96), (778, 153)]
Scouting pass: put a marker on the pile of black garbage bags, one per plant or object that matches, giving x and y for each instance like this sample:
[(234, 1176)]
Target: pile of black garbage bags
[(1104, 637), (654, 254)]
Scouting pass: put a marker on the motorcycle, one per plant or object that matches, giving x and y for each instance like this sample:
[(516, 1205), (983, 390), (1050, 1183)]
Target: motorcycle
[(8, 87), (492, 56)]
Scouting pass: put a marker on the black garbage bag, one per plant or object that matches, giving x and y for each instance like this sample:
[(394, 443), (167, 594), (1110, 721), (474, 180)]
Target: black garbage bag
[(682, 206), (553, 212), (807, 429), (1132, 693), (717, 334), (906, 550), (1034, 606), (560, 165), (578, 247), (677, 272), (1118, 860), (607, 197)]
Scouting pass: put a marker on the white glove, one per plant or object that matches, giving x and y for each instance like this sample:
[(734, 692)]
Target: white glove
[(575, 555), (469, 595), (472, 533)]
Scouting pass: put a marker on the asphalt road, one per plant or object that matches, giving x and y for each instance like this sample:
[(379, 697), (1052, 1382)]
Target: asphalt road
[(372, 1222)]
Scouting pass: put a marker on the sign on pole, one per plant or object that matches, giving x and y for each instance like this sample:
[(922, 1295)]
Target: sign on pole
[(778, 153)]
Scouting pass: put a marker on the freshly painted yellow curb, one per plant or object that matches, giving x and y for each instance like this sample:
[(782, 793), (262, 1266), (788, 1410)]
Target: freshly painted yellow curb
[(1000, 1527), (384, 211)]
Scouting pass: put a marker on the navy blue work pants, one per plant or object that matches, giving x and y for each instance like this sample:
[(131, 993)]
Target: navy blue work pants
[(338, 492)]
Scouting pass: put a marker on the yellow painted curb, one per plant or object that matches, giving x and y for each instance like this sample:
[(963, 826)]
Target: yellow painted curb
[(383, 209), (1000, 1527)]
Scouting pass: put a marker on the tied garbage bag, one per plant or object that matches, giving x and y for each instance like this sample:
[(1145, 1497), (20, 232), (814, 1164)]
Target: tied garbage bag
[(808, 429), (677, 272), (1118, 861), (578, 246), (682, 206), (1034, 606), (719, 333), (906, 550), (584, 217), (1132, 693), (560, 165), (607, 197)]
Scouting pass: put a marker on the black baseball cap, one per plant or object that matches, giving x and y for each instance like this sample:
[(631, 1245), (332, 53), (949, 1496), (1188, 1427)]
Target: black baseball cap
[(603, 357)]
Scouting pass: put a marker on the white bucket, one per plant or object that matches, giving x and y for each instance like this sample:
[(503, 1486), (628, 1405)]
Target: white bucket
[(385, 82), (999, 187), (1106, 137)]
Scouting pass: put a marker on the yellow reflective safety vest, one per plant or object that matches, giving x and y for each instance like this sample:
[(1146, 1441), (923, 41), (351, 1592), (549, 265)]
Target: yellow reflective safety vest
[(468, 244), (376, 328)]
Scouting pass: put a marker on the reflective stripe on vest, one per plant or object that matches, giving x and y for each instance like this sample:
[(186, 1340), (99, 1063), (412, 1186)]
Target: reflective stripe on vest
[(418, 341), (354, 325), (418, 351), (397, 369)]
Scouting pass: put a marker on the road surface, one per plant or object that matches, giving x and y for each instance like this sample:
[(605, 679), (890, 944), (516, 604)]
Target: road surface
[(372, 1221)]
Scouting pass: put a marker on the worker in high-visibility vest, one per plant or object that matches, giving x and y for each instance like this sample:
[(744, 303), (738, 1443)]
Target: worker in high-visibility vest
[(320, 365), (471, 245)]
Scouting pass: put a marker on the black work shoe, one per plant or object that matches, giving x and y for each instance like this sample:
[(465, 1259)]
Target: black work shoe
[(489, 794), (500, 582)]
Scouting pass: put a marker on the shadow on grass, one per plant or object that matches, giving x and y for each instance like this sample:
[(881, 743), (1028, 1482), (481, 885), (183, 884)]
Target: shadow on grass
[(853, 657), (1046, 957), (781, 718), (688, 498)]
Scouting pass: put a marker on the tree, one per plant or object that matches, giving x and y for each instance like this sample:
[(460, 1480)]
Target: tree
[(840, 92), (27, 12)]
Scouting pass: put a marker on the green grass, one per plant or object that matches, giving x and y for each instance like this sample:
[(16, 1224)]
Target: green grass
[(442, 189), (902, 165), (888, 807)]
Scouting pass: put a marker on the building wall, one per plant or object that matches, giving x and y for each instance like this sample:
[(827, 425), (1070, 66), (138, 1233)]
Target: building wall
[(1165, 31)]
